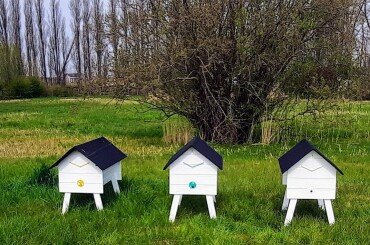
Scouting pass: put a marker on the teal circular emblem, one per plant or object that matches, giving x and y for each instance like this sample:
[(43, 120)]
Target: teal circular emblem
[(192, 185)]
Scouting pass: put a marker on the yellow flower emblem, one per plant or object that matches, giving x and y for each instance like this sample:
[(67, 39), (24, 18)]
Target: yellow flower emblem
[(80, 183)]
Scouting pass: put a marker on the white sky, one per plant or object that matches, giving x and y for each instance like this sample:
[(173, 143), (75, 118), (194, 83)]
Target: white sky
[(64, 6)]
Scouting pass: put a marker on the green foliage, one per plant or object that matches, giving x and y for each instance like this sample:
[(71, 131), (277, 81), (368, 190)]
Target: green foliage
[(250, 193), (12, 83), (9, 57), (308, 79), (25, 87)]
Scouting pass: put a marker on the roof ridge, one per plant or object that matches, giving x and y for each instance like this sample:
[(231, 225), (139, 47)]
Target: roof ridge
[(100, 151), (203, 148)]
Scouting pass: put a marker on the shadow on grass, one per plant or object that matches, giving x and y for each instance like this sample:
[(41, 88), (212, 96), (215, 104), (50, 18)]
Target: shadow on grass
[(304, 208), (43, 175), (109, 197), (309, 208), (191, 205)]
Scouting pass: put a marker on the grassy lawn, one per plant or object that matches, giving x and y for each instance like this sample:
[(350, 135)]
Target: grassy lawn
[(36, 132)]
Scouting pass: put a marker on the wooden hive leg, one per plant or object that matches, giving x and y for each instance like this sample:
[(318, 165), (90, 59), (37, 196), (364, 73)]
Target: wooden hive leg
[(329, 211), (67, 198), (289, 214), (214, 199), (321, 204), (98, 202), (180, 200), (211, 207), (115, 186), (174, 207), (285, 202)]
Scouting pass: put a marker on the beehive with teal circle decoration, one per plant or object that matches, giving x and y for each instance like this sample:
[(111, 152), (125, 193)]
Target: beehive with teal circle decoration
[(192, 185), (193, 171)]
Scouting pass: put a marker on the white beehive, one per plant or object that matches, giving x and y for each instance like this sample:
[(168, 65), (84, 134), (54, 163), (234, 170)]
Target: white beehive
[(193, 171), (308, 174), (86, 168)]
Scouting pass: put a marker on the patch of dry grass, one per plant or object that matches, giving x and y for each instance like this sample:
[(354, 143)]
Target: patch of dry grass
[(177, 131)]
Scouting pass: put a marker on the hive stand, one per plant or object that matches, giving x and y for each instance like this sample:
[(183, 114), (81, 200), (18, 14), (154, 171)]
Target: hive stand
[(290, 204), (176, 202), (97, 198)]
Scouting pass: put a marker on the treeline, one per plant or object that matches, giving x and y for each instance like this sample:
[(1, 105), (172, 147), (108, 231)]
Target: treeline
[(225, 65), (44, 50), (115, 38)]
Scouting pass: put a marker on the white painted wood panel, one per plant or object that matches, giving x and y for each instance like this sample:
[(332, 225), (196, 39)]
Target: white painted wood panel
[(303, 193), (113, 172), (284, 178), (194, 163), (198, 179), (108, 178), (86, 188), (199, 190), (311, 183), (86, 178), (69, 165), (309, 167), (118, 171), (305, 174)]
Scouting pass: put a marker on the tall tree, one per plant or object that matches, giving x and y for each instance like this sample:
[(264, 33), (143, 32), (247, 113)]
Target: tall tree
[(58, 43), (30, 38), (41, 28), (86, 40), (225, 64), (75, 8), (5, 48), (55, 24), (114, 33), (4, 23), (98, 18), (16, 30)]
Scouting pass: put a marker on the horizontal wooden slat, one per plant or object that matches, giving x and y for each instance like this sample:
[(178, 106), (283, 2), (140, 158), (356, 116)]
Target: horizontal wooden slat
[(198, 179), (88, 169), (87, 188), (182, 168), (307, 194), (74, 177), (311, 183), (303, 173), (199, 190)]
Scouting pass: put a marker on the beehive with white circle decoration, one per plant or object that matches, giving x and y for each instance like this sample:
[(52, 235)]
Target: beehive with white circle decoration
[(308, 174), (86, 168)]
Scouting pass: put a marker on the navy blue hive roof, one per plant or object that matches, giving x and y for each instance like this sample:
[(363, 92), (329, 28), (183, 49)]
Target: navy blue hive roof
[(100, 151), (295, 154), (201, 146)]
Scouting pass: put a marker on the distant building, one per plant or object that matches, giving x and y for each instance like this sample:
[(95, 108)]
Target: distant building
[(72, 79)]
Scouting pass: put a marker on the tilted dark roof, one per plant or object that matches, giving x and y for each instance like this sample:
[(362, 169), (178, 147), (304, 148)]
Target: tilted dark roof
[(295, 154), (201, 146), (100, 151)]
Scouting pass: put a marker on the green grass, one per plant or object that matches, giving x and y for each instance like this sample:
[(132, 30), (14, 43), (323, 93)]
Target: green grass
[(37, 132)]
